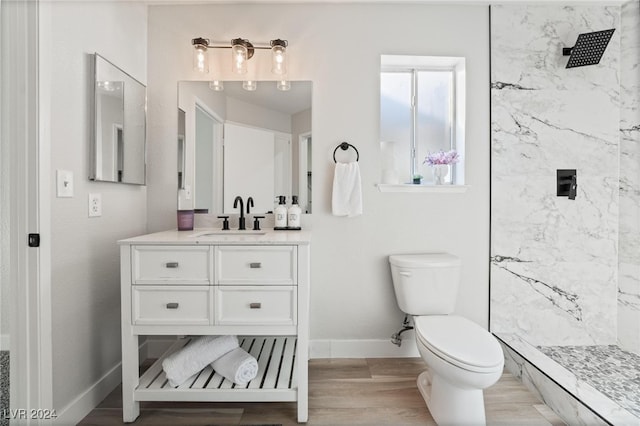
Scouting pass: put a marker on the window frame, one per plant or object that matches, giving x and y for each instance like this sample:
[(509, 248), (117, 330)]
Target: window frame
[(456, 68)]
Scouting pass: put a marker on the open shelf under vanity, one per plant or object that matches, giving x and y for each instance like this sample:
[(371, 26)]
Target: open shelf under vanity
[(276, 379)]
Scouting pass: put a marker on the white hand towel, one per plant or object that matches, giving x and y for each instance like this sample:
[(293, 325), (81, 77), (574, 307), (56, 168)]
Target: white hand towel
[(237, 366), (347, 190), (200, 352)]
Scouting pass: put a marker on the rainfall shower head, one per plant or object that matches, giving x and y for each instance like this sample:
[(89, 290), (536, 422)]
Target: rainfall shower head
[(588, 49)]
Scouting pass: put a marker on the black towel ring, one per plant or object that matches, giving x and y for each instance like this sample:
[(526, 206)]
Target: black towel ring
[(345, 146)]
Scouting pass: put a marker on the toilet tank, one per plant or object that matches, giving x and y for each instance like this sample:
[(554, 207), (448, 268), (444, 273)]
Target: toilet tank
[(426, 283)]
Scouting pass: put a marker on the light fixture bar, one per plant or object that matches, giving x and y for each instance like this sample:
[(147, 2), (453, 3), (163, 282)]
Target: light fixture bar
[(241, 50)]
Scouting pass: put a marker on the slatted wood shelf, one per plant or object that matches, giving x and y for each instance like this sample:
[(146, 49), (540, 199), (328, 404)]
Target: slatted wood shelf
[(276, 379)]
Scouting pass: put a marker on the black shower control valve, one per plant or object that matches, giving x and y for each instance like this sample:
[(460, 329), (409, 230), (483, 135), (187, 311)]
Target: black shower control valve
[(256, 222), (225, 223), (566, 183)]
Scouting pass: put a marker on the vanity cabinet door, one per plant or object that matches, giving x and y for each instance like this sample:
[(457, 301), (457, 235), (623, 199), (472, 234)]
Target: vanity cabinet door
[(256, 265), (172, 305), (256, 305), (191, 265)]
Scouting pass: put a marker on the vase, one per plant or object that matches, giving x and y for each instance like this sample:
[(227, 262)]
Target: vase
[(440, 172)]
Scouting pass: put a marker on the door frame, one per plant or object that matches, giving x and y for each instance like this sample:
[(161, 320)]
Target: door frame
[(303, 149), (26, 118)]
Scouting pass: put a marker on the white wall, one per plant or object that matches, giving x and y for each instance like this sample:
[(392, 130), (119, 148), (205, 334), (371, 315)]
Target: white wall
[(5, 201), (85, 262), (338, 47), (257, 116)]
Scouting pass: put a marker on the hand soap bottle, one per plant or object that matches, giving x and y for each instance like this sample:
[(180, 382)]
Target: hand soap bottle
[(280, 213), (293, 214)]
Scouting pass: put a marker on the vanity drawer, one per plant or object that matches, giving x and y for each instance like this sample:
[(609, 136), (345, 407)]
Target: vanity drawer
[(242, 305), (257, 265), (169, 305), (172, 265)]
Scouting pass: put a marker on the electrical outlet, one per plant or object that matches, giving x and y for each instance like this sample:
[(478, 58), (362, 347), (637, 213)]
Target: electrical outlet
[(95, 205)]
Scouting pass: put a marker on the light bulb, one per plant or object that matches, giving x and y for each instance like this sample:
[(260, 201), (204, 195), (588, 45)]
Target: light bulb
[(249, 85), (239, 55), (216, 85), (279, 57), (283, 85), (278, 60), (200, 56)]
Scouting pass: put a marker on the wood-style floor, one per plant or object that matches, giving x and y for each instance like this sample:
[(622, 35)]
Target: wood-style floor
[(372, 391)]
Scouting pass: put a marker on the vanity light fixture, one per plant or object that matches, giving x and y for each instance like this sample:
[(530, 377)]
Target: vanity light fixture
[(279, 56), (200, 56), (216, 85), (283, 85), (250, 85), (241, 51)]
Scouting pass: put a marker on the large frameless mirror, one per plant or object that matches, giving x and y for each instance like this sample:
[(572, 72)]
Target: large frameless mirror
[(234, 142), (118, 149)]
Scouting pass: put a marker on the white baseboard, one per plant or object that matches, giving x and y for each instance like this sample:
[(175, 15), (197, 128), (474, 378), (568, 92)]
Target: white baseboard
[(90, 398), (5, 342), (362, 349), (82, 405)]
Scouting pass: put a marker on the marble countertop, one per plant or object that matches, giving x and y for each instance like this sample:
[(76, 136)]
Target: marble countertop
[(217, 236)]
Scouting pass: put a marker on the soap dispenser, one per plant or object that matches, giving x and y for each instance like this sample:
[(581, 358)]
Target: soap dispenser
[(280, 213), (293, 214)]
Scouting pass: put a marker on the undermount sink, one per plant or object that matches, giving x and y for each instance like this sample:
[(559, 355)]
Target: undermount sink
[(227, 232)]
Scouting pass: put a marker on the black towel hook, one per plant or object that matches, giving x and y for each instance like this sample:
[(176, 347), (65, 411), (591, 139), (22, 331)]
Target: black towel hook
[(345, 146)]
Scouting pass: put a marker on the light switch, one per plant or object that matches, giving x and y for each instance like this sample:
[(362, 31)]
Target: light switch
[(64, 183)]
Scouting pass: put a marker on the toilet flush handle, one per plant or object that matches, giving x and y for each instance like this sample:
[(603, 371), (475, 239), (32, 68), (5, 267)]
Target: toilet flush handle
[(405, 273)]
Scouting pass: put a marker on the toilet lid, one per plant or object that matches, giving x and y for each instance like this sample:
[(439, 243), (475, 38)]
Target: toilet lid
[(459, 341), (424, 260)]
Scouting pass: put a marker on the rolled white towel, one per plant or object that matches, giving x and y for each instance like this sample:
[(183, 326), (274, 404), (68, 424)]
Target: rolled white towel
[(200, 352), (237, 366)]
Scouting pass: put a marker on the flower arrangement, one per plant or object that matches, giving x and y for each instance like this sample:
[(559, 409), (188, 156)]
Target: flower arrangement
[(441, 157)]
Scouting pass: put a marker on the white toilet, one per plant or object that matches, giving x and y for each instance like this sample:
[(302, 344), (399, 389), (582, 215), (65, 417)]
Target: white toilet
[(462, 357)]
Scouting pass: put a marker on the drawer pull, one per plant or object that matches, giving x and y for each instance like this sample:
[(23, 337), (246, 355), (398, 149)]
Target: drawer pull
[(172, 305), (255, 265), (172, 264), (255, 305)]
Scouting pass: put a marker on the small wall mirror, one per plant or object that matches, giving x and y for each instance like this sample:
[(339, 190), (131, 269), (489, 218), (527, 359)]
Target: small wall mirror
[(249, 143), (118, 149)]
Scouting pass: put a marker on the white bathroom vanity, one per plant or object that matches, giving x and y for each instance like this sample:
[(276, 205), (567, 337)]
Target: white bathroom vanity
[(206, 282)]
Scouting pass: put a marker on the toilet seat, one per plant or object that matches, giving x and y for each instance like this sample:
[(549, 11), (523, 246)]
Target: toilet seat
[(460, 342)]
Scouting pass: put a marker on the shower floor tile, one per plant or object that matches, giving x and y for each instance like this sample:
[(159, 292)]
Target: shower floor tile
[(609, 369)]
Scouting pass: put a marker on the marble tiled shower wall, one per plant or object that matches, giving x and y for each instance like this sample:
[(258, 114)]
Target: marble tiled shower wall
[(554, 261), (629, 258)]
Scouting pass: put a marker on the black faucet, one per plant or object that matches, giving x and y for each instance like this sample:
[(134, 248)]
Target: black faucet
[(249, 204), (241, 225)]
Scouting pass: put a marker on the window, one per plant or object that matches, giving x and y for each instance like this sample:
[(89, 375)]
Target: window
[(421, 112)]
